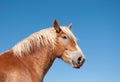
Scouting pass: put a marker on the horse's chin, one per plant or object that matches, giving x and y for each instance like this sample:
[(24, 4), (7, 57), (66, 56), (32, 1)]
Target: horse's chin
[(77, 66)]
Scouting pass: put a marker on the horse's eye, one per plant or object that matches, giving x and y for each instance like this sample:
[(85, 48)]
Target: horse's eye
[(64, 37)]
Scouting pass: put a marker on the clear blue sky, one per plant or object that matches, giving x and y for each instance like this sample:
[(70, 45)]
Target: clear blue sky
[(96, 23)]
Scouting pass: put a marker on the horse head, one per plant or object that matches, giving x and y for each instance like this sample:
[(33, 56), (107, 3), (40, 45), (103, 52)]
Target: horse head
[(66, 46)]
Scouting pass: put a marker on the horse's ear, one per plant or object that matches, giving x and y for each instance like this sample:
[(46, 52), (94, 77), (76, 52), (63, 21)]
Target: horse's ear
[(56, 26), (70, 26)]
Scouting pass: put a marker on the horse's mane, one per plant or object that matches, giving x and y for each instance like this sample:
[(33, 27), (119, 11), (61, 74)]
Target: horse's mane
[(45, 37)]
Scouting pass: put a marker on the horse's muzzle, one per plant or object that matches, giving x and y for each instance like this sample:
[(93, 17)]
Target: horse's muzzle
[(78, 63)]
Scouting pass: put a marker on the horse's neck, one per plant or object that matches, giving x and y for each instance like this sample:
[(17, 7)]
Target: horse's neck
[(40, 62)]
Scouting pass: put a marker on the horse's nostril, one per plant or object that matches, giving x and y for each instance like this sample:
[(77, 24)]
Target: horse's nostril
[(79, 59)]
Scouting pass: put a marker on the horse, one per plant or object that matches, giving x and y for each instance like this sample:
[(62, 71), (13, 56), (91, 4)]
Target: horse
[(30, 59)]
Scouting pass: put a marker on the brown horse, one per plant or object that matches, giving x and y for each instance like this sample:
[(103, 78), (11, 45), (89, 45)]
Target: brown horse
[(29, 60)]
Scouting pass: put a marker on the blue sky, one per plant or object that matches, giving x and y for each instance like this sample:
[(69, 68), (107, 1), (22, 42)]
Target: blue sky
[(96, 24)]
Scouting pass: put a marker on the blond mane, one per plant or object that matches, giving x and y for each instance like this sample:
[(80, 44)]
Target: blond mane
[(45, 37)]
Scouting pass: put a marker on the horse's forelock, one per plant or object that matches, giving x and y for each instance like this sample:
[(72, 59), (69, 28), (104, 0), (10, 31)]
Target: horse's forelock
[(69, 33)]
